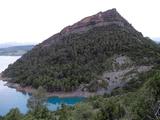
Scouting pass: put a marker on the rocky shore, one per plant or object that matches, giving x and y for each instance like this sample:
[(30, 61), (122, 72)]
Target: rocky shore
[(30, 90)]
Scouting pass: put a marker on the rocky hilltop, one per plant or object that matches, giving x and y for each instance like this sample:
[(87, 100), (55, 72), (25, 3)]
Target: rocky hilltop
[(109, 17), (100, 54)]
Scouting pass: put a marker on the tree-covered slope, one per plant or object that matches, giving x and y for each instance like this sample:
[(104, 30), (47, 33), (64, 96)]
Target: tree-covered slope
[(79, 54)]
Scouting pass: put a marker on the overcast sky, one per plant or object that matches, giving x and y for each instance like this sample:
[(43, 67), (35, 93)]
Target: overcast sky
[(32, 21)]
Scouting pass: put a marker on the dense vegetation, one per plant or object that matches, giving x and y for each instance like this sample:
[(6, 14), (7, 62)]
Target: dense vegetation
[(140, 104), (74, 59)]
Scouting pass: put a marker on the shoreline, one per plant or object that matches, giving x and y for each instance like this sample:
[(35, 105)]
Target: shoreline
[(61, 94)]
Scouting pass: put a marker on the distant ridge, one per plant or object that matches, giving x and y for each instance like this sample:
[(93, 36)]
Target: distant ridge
[(12, 44), (157, 39), (15, 50)]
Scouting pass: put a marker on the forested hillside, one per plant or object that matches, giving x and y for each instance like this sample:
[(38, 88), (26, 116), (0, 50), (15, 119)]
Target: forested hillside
[(80, 54)]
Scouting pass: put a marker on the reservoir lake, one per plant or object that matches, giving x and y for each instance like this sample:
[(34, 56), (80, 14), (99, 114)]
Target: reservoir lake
[(10, 98)]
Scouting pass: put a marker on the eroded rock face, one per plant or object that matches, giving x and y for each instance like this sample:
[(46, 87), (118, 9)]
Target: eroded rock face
[(123, 71), (100, 19)]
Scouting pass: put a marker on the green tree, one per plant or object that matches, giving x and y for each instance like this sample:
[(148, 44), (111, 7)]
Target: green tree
[(83, 112), (111, 111), (154, 85), (64, 112), (14, 114), (37, 100)]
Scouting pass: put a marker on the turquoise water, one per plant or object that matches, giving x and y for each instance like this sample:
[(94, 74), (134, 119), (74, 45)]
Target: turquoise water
[(10, 98), (55, 102)]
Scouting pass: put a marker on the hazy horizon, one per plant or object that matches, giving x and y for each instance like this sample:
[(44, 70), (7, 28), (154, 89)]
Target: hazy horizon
[(34, 21)]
